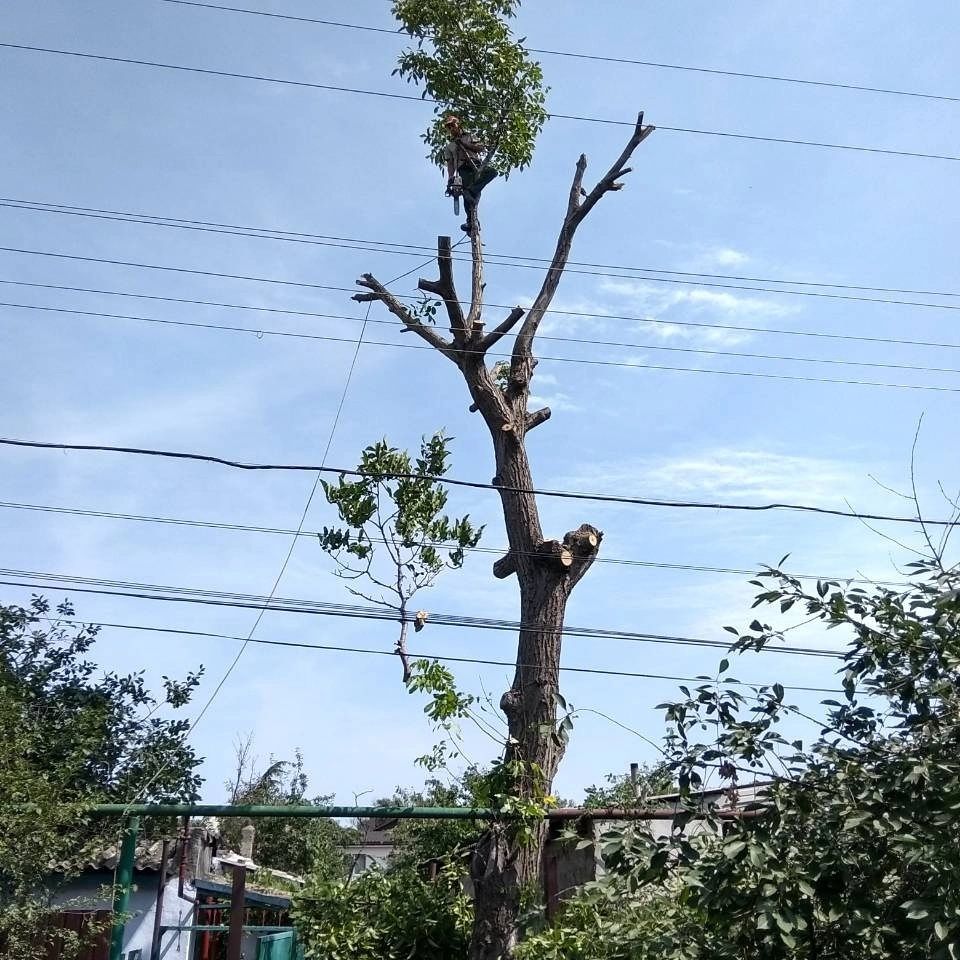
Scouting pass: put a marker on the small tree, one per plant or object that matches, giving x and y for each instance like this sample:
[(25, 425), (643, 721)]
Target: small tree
[(397, 539), (395, 915), (453, 63)]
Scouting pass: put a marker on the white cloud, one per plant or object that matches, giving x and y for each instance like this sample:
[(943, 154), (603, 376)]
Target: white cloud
[(729, 473), (556, 401), (657, 300), (726, 257)]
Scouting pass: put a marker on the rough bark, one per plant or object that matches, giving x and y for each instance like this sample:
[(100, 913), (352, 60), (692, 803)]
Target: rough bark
[(547, 570)]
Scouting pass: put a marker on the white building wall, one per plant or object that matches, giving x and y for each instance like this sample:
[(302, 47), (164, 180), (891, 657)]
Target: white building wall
[(86, 893)]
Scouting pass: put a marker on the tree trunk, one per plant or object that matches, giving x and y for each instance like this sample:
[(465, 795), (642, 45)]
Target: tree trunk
[(546, 570)]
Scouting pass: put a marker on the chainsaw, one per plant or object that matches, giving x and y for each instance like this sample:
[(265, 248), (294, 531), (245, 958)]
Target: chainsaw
[(455, 189)]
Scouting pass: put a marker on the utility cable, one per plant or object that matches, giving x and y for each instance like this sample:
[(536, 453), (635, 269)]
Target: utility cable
[(412, 249), (215, 598), (293, 543), (739, 328), (493, 551), (206, 71), (862, 88), (478, 485), (666, 348), (334, 648)]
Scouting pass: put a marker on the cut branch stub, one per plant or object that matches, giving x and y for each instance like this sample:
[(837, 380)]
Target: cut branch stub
[(379, 292), (583, 541), (557, 552), (506, 566), (537, 417)]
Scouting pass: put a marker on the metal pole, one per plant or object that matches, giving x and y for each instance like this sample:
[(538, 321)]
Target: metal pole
[(237, 903), (394, 813), (121, 893), (158, 912)]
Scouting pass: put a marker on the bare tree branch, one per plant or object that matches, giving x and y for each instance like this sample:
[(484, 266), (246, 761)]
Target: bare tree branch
[(536, 418), (474, 321), (410, 322), (445, 288), (577, 210), (502, 329)]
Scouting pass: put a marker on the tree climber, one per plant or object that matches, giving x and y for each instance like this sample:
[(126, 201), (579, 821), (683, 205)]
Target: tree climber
[(467, 171)]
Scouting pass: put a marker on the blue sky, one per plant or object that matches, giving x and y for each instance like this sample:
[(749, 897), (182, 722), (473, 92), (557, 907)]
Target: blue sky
[(199, 147)]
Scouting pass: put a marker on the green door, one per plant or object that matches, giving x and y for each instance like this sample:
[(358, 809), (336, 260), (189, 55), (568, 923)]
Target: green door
[(279, 946)]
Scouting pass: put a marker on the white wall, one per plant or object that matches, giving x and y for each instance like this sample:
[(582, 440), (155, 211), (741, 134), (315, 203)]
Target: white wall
[(85, 893)]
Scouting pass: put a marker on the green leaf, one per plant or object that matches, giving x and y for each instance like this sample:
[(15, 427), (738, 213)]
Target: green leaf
[(733, 848)]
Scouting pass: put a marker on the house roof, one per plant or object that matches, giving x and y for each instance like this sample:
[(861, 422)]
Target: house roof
[(216, 889), (146, 859), (715, 792), (376, 832)]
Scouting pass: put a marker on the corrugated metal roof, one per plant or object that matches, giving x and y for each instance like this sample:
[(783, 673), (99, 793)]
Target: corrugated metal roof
[(212, 887), (146, 859)]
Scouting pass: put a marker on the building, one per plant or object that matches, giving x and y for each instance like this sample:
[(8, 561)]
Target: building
[(87, 894), (192, 889), (373, 847), (566, 868)]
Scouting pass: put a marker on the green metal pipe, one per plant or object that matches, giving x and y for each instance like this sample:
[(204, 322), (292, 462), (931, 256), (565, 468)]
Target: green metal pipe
[(292, 810), (206, 928), (396, 813), (121, 892), (393, 813)]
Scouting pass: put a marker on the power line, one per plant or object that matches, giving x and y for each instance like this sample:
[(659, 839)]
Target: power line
[(286, 560), (206, 71), (293, 541), (334, 648), (496, 259), (702, 351), (477, 485), (215, 598), (260, 332), (493, 551), (595, 57), (740, 328)]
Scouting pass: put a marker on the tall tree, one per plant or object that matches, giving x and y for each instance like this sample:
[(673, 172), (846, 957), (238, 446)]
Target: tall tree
[(70, 737), (299, 846), (454, 37)]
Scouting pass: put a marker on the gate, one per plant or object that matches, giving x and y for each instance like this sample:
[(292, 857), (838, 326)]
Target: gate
[(279, 946)]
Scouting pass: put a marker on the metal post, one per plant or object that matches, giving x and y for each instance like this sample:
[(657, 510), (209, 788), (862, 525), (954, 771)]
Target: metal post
[(121, 893), (237, 903), (158, 913), (635, 779)]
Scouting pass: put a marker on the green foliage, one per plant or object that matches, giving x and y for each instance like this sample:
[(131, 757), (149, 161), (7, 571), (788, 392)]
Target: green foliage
[(397, 504), (415, 842), (70, 738), (300, 845), (855, 852), (467, 60), (385, 916), (104, 733), (618, 789)]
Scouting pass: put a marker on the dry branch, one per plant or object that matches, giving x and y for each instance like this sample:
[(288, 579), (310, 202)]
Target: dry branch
[(579, 204), (445, 288), (379, 292), (502, 329), (537, 417)]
